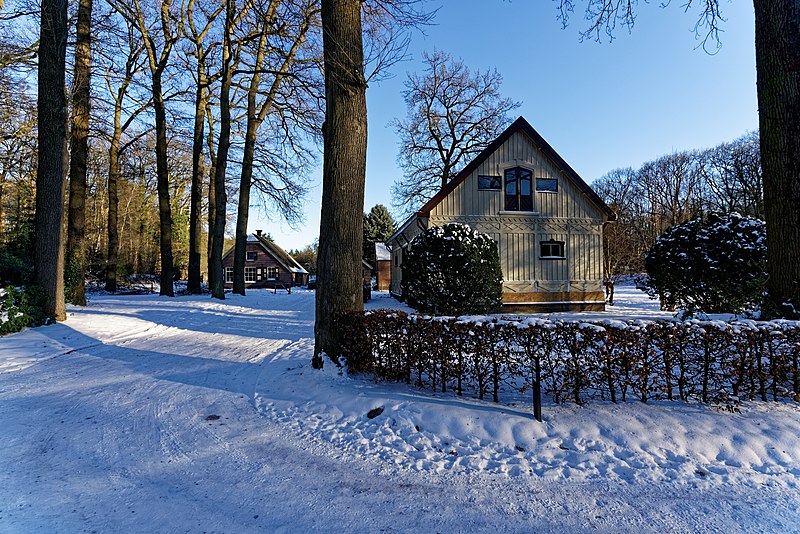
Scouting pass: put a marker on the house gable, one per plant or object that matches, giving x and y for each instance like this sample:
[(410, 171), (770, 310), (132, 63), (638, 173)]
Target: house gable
[(519, 145), (549, 234), (271, 264)]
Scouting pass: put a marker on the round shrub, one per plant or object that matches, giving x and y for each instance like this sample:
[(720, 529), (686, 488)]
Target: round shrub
[(712, 264), (452, 270)]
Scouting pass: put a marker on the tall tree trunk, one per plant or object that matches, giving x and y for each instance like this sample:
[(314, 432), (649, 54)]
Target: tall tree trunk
[(778, 69), (223, 144), (212, 197), (52, 135), (344, 169), (162, 186), (79, 150), (243, 212), (112, 246), (195, 223)]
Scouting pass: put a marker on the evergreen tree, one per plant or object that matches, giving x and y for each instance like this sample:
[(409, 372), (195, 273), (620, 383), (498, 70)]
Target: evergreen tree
[(714, 264), (378, 227)]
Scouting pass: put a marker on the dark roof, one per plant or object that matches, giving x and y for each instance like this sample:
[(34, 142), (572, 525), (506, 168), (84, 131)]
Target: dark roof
[(519, 125), (272, 248)]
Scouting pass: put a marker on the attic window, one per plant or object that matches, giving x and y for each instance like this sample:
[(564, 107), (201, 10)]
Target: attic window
[(251, 255), (551, 250), (518, 191), (547, 185), (490, 183)]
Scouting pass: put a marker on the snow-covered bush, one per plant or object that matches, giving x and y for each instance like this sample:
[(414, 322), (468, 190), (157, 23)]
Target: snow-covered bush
[(715, 264), (21, 307), (452, 270)]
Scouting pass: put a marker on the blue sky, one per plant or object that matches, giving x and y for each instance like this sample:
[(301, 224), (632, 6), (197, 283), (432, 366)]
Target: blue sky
[(601, 106)]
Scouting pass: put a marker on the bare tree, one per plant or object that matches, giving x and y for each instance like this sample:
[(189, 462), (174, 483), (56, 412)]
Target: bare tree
[(52, 125), (216, 274), (122, 63), (777, 25), (79, 153), (201, 50), (672, 187), (732, 177), (283, 79), (453, 114), (157, 26), (624, 245)]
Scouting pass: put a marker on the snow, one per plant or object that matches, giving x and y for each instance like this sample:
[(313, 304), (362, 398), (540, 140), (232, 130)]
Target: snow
[(145, 413)]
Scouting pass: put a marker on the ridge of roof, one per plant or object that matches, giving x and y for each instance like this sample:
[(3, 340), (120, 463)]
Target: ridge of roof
[(519, 125)]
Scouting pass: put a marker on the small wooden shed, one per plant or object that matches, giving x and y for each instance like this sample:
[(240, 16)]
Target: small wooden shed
[(383, 267), (547, 222)]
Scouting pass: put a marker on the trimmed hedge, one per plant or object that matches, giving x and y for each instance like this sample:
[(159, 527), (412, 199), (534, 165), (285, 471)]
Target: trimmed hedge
[(705, 361)]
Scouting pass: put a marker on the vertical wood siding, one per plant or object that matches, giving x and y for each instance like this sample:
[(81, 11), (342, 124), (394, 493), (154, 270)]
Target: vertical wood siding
[(567, 215), (466, 199)]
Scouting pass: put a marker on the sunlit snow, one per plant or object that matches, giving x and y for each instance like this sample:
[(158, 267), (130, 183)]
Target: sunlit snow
[(156, 414)]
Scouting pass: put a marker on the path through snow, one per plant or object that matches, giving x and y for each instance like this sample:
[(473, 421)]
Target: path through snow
[(151, 414)]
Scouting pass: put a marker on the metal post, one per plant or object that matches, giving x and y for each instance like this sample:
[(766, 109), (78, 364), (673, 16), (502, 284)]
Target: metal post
[(537, 389)]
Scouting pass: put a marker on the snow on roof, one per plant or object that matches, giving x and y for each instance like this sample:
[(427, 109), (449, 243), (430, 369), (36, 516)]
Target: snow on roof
[(251, 238), (381, 252)]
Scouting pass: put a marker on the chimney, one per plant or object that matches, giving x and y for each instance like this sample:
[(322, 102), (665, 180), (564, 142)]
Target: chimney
[(258, 233)]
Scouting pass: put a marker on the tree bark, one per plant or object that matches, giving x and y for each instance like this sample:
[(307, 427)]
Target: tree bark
[(79, 151), (339, 284), (195, 224), (223, 144), (243, 209), (212, 197), (112, 246), (162, 186), (52, 124), (778, 71)]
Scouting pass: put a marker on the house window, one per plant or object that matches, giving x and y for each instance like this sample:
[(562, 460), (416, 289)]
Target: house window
[(249, 274), (228, 275), (518, 190), (547, 185), (251, 255), (489, 183), (272, 273), (551, 250)]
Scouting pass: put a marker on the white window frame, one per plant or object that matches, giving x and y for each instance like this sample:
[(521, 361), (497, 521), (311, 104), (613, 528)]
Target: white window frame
[(248, 253), (250, 275), (228, 275), (546, 190), (549, 243), (273, 271)]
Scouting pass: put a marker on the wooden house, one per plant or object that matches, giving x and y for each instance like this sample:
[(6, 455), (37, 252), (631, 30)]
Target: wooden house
[(547, 222), (266, 265)]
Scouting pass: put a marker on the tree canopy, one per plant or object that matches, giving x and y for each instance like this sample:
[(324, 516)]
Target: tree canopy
[(452, 114)]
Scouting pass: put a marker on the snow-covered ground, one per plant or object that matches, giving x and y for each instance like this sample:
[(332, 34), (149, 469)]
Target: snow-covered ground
[(154, 414)]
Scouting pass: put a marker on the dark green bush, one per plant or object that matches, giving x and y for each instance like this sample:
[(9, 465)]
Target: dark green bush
[(714, 264), (452, 270), (21, 307), (14, 270)]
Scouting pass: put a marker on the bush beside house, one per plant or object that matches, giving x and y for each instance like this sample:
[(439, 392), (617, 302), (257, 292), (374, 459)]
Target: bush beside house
[(712, 264), (452, 270)]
